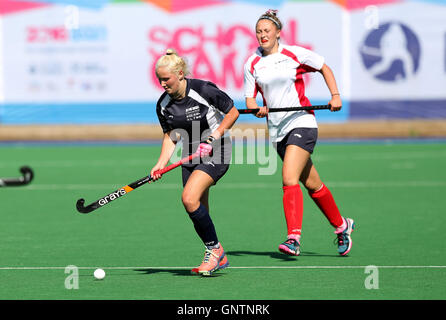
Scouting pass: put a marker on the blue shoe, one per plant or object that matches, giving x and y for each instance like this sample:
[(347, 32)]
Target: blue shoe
[(344, 239), (290, 247)]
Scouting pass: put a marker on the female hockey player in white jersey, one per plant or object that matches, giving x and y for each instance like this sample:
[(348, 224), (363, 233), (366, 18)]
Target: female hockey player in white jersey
[(275, 70)]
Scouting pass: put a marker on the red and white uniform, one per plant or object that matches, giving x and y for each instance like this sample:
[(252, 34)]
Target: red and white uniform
[(278, 77)]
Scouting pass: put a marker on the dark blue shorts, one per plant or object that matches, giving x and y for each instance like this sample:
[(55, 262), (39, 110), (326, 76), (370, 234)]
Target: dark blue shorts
[(216, 171), (304, 138)]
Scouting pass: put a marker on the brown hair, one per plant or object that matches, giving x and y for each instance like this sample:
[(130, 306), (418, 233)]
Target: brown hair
[(272, 16)]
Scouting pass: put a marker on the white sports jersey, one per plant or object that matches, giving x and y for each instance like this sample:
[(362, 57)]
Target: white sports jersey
[(278, 77)]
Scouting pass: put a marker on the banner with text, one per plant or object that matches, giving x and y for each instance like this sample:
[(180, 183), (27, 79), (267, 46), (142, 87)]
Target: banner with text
[(94, 62)]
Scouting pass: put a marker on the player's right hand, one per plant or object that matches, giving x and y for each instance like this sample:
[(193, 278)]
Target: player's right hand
[(155, 176), (263, 112), (335, 103)]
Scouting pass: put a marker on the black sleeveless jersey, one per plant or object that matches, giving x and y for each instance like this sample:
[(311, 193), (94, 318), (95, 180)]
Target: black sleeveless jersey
[(195, 116)]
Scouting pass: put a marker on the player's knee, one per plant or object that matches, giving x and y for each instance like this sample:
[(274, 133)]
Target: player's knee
[(313, 186), (290, 181), (190, 202)]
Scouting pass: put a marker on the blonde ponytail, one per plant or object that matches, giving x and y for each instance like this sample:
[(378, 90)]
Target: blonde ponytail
[(173, 62)]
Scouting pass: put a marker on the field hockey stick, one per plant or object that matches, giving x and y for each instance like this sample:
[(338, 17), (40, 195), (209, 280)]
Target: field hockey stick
[(130, 187), (27, 176), (255, 110)]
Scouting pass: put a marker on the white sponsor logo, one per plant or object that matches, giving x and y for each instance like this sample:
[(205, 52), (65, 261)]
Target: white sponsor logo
[(211, 163), (112, 196)]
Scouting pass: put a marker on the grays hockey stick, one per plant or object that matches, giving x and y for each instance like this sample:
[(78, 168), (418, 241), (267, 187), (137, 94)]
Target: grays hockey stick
[(26, 178), (128, 188), (254, 111)]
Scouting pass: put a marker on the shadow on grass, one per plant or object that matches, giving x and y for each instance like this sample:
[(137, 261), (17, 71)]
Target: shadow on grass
[(315, 254), (278, 255), (274, 255), (176, 272)]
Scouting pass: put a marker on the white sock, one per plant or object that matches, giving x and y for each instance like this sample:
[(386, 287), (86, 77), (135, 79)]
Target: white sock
[(295, 237), (216, 246), (342, 227)]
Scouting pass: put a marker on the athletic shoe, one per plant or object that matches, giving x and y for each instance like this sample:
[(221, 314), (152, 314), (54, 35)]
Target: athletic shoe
[(214, 259), (344, 239), (223, 264), (290, 247)]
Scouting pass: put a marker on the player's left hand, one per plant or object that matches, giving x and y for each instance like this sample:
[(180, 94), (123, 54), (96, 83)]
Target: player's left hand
[(204, 149)]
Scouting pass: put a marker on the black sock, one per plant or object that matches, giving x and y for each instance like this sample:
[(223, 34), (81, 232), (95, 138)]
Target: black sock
[(204, 226)]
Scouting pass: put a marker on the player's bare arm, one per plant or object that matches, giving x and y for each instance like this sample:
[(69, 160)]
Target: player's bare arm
[(226, 123), (252, 104), (167, 149), (335, 101)]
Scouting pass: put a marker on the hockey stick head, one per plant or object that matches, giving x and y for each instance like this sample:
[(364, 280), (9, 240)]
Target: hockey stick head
[(27, 173), (27, 176), (80, 204), (82, 209)]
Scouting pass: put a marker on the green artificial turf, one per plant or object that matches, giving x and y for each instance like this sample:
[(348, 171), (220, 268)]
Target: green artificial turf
[(146, 243)]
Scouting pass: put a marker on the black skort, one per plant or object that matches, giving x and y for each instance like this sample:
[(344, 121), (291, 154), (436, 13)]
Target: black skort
[(304, 138)]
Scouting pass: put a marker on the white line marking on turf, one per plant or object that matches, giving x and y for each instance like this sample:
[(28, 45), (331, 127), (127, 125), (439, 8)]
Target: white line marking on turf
[(247, 267), (346, 184), (79, 163), (318, 157)]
